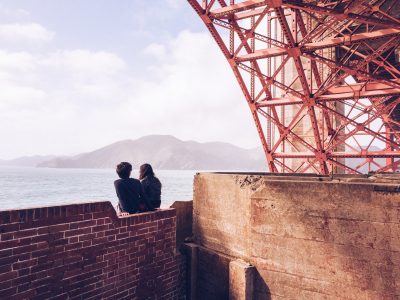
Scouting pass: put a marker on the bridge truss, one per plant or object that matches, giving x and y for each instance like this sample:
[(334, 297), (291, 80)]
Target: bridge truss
[(321, 79)]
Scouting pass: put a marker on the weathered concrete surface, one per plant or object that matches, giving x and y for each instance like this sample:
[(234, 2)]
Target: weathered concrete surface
[(184, 220), (308, 237), (221, 211), (241, 280)]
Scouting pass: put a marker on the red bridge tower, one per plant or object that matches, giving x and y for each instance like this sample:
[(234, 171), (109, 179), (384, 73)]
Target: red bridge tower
[(321, 78)]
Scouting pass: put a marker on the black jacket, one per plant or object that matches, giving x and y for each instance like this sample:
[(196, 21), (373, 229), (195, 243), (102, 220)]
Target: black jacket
[(130, 194), (152, 190)]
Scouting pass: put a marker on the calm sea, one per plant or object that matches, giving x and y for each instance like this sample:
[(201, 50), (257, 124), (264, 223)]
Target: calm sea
[(32, 187)]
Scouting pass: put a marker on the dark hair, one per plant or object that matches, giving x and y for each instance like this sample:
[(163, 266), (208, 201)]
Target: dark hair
[(124, 169), (145, 170)]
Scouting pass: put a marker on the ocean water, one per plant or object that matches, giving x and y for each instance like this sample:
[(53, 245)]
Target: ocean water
[(33, 187)]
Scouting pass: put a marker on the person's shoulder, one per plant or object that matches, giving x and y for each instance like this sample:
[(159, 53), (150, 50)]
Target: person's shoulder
[(117, 181), (157, 180), (134, 180)]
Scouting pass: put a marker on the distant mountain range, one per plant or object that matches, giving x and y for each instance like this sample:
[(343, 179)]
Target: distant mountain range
[(162, 151)]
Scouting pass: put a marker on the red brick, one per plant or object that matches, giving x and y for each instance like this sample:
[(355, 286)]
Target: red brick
[(73, 239), (99, 215), (24, 249), (111, 232), (8, 260), (78, 232), (9, 228), (5, 253), (8, 292), (100, 228), (26, 233), (6, 236), (72, 246), (100, 222), (83, 256), (39, 253), (87, 243), (5, 269), (28, 294), (87, 223), (86, 237), (54, 228), (8, 276), (24, 264)]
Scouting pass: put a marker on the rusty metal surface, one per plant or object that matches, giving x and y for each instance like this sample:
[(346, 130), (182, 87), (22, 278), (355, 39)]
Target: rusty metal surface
[(321, 78)]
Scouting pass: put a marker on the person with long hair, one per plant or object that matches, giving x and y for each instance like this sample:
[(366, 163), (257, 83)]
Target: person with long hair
[(151, 185)]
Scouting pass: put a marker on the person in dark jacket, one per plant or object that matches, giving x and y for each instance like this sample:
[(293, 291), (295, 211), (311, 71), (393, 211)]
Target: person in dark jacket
[(151, 185), (129, 191)]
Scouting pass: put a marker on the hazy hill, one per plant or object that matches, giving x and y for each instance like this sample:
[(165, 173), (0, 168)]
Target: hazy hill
[(166, 152), (26, 161)]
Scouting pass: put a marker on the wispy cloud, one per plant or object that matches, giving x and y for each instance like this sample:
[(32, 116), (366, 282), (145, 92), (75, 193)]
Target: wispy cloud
[(30, 32)]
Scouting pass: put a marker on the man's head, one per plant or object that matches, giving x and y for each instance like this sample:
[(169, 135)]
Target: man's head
[(124, 169)]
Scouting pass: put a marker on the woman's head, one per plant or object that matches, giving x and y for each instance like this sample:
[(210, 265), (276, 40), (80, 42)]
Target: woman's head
[(145, 170), (124, 169)]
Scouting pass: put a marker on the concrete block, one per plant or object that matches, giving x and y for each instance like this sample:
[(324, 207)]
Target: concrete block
[(191, 251), (241, 280)]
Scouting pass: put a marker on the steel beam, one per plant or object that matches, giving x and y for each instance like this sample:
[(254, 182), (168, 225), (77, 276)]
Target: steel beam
[(327, 43), (283, 55)]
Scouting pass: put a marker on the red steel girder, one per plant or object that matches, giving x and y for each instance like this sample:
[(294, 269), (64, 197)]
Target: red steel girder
[(309, 47), (322, 79), (316, 9)]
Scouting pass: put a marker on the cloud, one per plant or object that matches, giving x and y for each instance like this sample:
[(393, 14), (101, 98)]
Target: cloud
[(71, 101), (175, 3), (157, 51), (17, 13), (29, 32), (84, 63), (193, 93)]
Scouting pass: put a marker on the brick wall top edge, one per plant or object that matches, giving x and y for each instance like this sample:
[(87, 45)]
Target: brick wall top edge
[(96, 205), (157, 214), (62, 212)]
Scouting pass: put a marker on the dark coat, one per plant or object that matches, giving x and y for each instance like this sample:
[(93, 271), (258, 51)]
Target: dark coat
[(130, 194), (152, 190)]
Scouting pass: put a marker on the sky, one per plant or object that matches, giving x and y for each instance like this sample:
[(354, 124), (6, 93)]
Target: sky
[(79, 75)]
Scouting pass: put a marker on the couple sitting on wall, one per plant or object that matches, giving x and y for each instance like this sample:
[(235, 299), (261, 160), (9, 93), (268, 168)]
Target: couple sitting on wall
[(134, 195)]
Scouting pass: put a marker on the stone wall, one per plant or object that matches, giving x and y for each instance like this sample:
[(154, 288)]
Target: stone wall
[(184, 221), (84, 251), (307, 237)]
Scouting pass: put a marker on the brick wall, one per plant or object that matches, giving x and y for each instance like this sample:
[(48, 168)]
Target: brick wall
[(85, 251)]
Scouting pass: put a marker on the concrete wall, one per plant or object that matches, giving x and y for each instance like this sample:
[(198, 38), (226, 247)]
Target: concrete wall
[(85, 251), (308, 237), (221, 213), (184, 221)]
